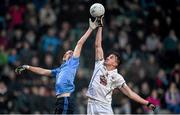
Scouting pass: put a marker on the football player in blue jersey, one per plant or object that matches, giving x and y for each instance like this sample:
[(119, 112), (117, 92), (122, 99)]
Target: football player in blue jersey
[(64, 74)]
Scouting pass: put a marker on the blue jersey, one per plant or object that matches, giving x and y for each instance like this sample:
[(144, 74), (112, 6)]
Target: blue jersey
[(65, 75)]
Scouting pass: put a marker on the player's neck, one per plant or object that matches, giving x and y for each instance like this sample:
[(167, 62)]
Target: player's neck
[(110, 68)]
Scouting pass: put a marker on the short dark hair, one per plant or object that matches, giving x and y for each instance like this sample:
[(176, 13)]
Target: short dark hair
[(117, 56)]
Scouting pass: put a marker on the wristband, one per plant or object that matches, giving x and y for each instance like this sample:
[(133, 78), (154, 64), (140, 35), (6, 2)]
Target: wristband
[(26, 66), (148, 104)]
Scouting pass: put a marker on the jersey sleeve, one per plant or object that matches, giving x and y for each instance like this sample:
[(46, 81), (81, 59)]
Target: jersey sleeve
[(98, 63), (73, 62), (119, 81), (54, 72)]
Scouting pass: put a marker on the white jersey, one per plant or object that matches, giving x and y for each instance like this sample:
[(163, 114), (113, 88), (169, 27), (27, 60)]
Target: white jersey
[(103, 82)]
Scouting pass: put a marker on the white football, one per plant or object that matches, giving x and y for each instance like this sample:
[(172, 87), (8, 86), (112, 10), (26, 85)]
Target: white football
[(97, 10)]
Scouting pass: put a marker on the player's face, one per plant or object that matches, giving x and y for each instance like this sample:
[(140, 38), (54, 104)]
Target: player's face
[(111, 60), (67, 55)]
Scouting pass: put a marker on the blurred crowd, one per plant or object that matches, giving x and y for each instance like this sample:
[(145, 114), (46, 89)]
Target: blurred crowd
[(37, 32)]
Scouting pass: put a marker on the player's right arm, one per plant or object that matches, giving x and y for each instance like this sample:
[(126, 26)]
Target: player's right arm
[(37, 70), (99, 54)]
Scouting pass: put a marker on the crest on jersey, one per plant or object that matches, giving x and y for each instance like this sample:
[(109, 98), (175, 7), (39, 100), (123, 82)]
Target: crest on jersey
[(103, 80)]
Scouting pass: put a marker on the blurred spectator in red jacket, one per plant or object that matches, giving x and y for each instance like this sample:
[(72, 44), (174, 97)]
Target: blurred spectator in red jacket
[(153, 98), (15, 15)]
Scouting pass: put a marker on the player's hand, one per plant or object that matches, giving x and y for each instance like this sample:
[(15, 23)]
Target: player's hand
[(93, 25), (151, 106), (100, 21), (21, 68)]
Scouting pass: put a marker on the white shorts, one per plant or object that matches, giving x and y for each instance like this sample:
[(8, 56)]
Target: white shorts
[(98, 108)]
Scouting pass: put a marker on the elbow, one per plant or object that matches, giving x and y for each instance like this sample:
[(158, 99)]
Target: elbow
[(97, 45)]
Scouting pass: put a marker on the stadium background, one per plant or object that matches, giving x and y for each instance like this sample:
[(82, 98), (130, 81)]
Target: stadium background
[(37, 32)]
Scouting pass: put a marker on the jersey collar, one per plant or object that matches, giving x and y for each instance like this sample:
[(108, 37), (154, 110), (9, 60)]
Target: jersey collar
[(112, 71)]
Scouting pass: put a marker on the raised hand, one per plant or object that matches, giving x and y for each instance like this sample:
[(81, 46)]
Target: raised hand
[(100, 21), (21, 68), (93, 25)]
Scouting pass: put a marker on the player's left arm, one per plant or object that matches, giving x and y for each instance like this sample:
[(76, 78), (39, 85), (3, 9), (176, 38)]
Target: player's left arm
[(77, 50), (134, 96), (99, 53)]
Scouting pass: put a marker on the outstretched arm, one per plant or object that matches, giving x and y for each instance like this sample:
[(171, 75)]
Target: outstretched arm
[(77, 50), (80, 43), (98, 43), (36, 70), (132, 95)]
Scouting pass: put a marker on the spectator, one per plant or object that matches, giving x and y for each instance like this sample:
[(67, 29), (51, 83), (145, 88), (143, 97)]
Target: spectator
[(170, 46), (13, 57), (48, 61), (4, 40), (175, 76), (3, 56), (16, 38), (47, 15), (154, 99), (50, 42), (172, 97), (161, 79), (145, 90), (24, 56), (39, 4), (122, 39), (15, 14), (152, 67), (152, 42), (22, 104), (138, 40), (136, 71), (31, 38), (170, 42), (6, 103)]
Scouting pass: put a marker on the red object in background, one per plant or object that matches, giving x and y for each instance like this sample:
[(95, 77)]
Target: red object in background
[(3, 41), (16, 13), (159, 82), (152, 100)]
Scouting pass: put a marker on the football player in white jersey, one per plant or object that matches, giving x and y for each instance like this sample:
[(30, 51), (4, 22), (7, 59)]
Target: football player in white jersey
[(105, 78)]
